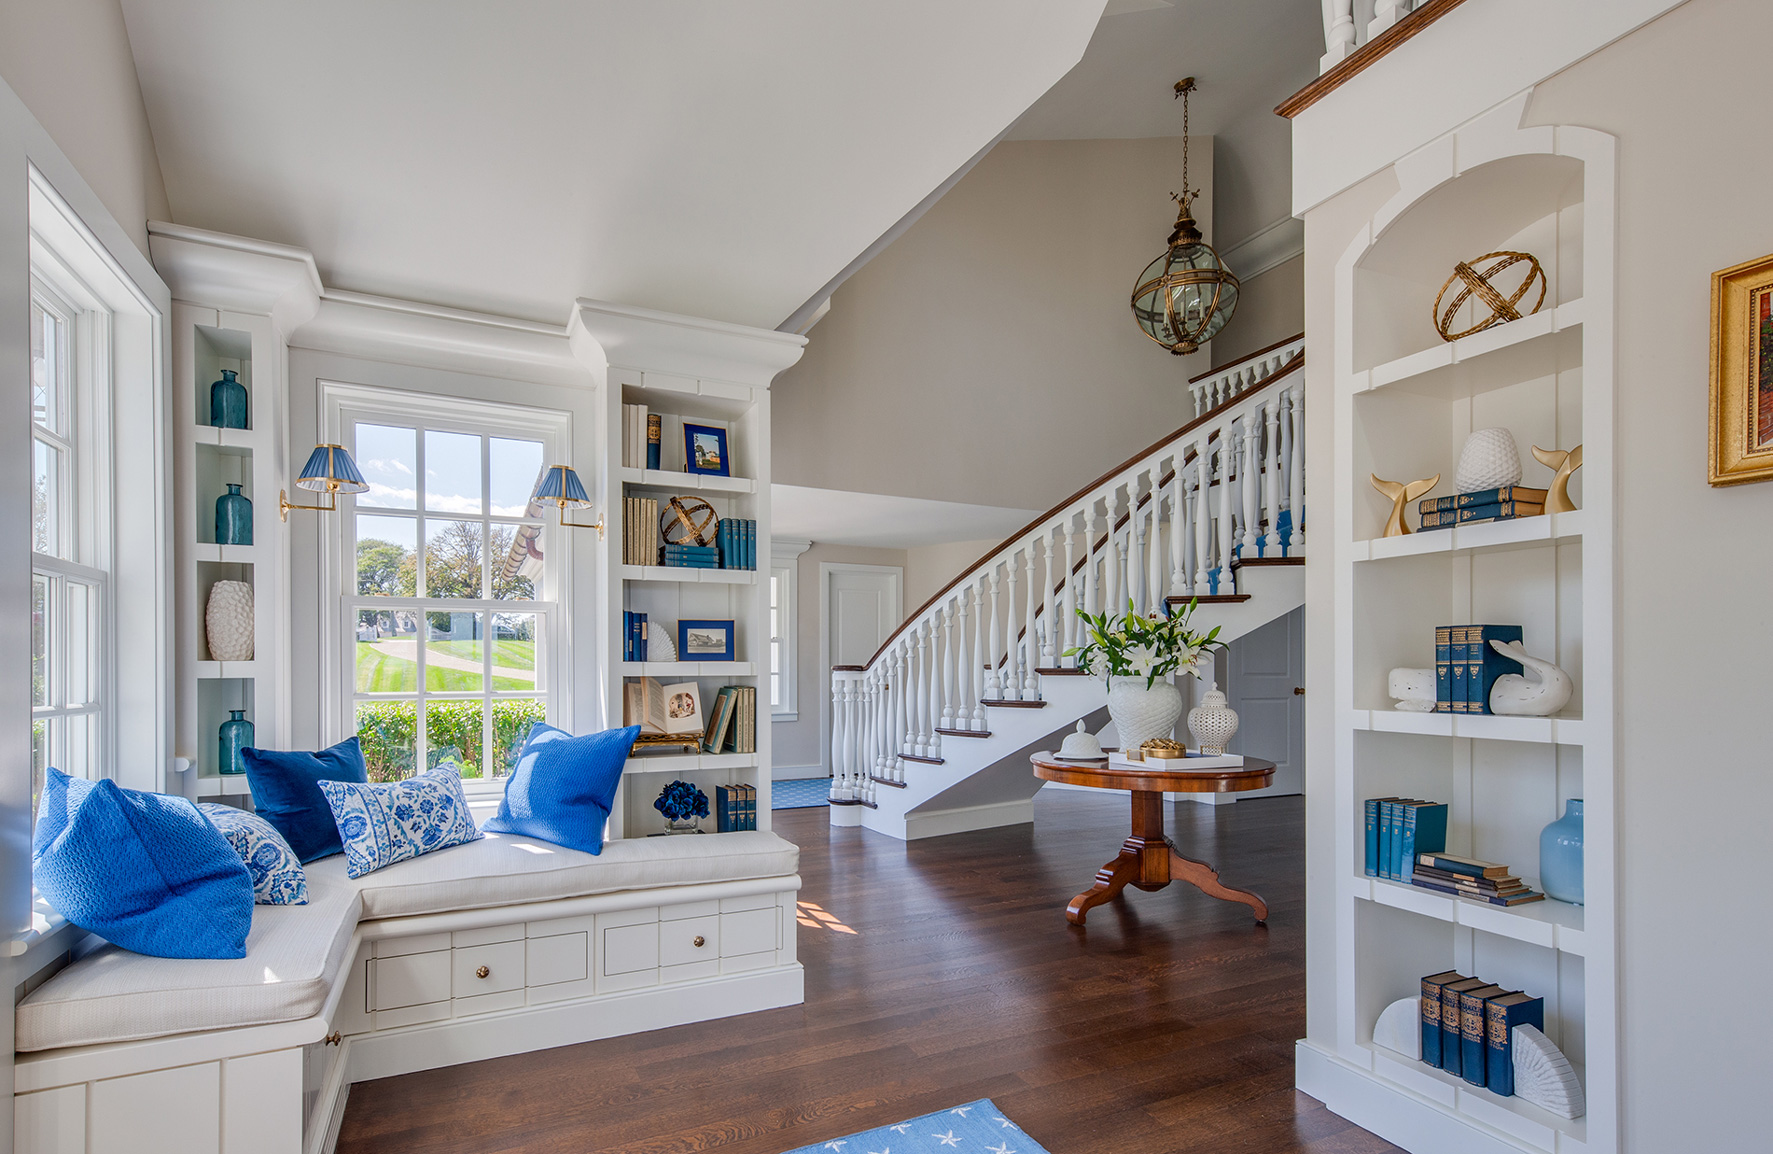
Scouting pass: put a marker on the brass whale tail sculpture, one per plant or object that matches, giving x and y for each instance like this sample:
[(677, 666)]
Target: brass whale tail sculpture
[(1401, 495), (1564, 462)]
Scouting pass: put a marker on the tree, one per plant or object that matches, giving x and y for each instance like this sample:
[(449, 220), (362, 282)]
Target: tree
[(384, 569), (452, 561)]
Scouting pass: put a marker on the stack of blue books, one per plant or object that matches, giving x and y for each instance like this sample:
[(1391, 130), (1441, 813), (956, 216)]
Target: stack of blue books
[(633, 636), (1468, 1028), (1501, 504), (1466, 665), (689, 556), (737, 540), (1398, 829)]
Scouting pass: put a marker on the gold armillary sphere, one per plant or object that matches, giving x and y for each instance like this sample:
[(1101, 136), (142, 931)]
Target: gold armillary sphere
[(1477, 282), (688, 521), (1187, 294)]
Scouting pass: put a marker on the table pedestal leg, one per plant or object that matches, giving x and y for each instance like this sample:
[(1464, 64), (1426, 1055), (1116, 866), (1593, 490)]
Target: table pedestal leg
[(1110, 880), (1150, 861), (1205, 878)]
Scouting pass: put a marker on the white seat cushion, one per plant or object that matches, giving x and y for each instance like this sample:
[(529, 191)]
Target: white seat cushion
[(293, 955), (508, 869)]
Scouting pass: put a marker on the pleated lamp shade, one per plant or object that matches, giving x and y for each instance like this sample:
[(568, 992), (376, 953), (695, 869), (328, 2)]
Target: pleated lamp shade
[(561, 485), (330, 469)]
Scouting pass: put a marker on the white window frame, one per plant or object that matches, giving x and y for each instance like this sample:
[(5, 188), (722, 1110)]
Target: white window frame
[(343, 406), (785, 570)]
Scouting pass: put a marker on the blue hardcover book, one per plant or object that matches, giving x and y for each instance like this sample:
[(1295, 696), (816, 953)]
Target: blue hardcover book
[(1371, 806), (1450, 1026), (640, 653), (1485, 665), (1396, 861), (655, 436), (1460, 702), (1424, 831), (750, 544), (1431, 1013), (1470, 514), (627, 636), (1481, 497), (1384, 867), (1473, 1060), (1443, 669), (1501, 1016)]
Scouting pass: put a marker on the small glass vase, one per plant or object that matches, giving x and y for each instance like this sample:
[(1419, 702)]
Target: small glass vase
[(233, 518), (235, 735), (1560, 855), (227, 402), (690, 824)]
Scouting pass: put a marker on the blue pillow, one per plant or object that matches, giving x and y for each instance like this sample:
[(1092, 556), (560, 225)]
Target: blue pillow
[(277, 877), (383, 824), (562, 787), (286, 793), (145, 871)]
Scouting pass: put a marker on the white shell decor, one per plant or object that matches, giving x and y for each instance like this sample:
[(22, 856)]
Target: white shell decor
[(1544, 1077), (660, 645), (1399, 1028), (1489, 460), (1081, 745), (1541, 695), (1213, 722), (228, 621), (1413, 688), (1141, 714)]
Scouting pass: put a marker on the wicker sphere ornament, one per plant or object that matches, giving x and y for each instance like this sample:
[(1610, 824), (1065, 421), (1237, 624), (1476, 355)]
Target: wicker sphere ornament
[(1477, 281), (227, 619), (688, 521), (1489, 460)]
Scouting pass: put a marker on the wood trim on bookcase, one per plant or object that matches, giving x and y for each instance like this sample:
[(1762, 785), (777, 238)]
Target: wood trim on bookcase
[(1365, 56)]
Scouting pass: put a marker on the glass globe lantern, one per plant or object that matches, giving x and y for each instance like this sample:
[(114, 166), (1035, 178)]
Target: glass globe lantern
[(1187, 294)]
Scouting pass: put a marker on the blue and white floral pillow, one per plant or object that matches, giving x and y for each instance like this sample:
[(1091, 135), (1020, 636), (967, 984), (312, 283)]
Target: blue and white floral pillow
[(384, 824), (277, 875)]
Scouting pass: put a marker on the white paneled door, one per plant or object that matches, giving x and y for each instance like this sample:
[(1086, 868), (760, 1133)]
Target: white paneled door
[(1263, 670), (859, 607)]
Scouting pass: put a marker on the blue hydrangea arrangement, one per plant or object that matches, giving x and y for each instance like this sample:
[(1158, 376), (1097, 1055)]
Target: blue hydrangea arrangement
[(681, 801)]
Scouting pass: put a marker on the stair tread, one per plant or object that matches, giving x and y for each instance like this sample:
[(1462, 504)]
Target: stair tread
[(1259, 562), (889, 781), (1062, 672), (1209, 598), (1016, 704), (922, 760), (964, 732)]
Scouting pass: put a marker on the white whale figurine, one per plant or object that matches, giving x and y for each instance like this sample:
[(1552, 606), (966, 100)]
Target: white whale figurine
[(1539, 696)]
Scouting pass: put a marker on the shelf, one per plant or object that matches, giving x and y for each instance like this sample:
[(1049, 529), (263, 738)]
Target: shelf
[(1513, 1116), (1552, 924), (214, 785), (688, 762), (1490, 537), (226, 670), (686, 576), (237, 442), (229, 554), (688, 669), (1505, 350), (687, 482), (1484, 726)]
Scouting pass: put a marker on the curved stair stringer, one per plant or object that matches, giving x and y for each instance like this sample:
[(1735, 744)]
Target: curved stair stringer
[(986, 782)]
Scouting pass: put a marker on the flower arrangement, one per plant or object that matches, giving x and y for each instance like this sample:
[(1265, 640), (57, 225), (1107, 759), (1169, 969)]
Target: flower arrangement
[(681, 801), (1132, 645)]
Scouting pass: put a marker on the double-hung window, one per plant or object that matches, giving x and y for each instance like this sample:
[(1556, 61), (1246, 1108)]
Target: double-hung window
[(450, 602)]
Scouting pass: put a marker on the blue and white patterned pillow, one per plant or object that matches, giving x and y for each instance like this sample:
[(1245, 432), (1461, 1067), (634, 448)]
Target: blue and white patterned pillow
[(384, 824), (277, 875)]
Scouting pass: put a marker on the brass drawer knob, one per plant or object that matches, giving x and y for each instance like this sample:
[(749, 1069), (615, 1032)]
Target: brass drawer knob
[(700, 941), (483, 972), (333, 1038)]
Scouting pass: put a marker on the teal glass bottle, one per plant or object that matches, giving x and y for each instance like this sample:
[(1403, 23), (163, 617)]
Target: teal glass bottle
[(1560, 855), (236, 735), (227, 402), (233, 518)]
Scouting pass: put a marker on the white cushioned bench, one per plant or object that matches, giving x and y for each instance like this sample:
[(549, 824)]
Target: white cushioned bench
[(498, 946)]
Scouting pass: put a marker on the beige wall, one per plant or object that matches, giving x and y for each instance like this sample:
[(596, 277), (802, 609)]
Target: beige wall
[(1694, 788), (69, 61), (929, 568), (989, 355), (1270, 308)]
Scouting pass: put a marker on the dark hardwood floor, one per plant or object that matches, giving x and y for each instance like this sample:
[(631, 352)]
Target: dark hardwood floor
[(1167, 1024)]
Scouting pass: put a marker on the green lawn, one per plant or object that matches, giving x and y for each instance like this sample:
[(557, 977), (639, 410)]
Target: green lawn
[(510, 654), (379, 673)]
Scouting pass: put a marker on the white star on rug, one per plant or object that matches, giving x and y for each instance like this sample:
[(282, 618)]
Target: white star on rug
[(948, 1139), (901, 1127), (1003, 1149), (835, 1145), (1006, 1124), (961, 1110), (888, 1150)]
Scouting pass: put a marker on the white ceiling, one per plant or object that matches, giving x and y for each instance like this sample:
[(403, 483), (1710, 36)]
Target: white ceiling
[(719, 159), (874, 520)]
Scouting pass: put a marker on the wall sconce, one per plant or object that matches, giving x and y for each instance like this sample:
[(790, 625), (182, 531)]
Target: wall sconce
[(329, 470), (561, 485)]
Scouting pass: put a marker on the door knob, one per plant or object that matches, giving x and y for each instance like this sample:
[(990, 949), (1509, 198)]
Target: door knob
[(1298, 691), (700, 941), (483, 972)]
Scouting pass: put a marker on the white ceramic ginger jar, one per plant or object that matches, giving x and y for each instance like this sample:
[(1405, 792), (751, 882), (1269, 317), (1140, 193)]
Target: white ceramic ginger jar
[(1213, 722)]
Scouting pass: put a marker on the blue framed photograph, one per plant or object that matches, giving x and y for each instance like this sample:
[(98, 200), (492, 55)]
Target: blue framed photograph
[(704, 450), (704, 641)]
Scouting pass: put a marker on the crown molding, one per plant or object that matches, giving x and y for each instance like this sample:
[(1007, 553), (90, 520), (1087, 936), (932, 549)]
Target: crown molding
[(216, 270), (431, 336), (1267, 248), (604, 334)]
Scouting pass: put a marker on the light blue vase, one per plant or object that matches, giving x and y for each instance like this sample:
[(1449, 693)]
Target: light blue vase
[(235, 735), (233, 518), (1560, 855), (227, 402)]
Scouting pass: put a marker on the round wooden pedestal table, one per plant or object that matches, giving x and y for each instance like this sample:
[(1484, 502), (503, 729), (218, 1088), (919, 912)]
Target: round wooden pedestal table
[(1148, 859)]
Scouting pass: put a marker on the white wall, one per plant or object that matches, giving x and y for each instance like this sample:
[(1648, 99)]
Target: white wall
[(69, 61), (929, 568), (989, 354), (1270, 309)]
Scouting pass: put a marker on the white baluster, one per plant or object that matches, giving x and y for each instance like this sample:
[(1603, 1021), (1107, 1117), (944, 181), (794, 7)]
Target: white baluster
[(876, 755), (1296, 468), (1272, 479), (1178, 526), (1049, 587), (976, 673), (1068, 607), (1385, 14), (1227, 583), (1154, 549), (840, 770), (920, 693), (1339, 33), (1135, 549), (1251, 487), (1199, 389), (1030, 624), (1203, 517), (963, 667), (947, 616), (1092, 590), (901, 719), (932, 741), (993, 682), (1012, 668)]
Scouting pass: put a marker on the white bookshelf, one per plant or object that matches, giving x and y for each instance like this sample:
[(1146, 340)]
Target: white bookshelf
[(1404, 402)]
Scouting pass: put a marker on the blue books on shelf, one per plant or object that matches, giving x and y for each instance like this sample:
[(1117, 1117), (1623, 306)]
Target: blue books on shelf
[(1501, 1016), (655, 429), (1443, 669), (1371, 806), (1423, 830), (1450, 1025), (627, 636), (1485, 665), (1472, 514), (1495, 496), (1473, 1060), (1431, 1013), (751, 555)]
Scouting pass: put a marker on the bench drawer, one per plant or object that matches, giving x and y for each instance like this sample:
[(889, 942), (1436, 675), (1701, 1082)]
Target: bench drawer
[(409, 980), (749, 932), (488, 969), (558, 958), (689, 940)]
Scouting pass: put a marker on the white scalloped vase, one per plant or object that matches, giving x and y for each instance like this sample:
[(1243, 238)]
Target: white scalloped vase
[(228, 621), (1141, 714)]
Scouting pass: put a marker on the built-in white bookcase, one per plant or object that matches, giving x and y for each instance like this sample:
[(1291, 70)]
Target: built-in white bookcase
[(1405, 401)]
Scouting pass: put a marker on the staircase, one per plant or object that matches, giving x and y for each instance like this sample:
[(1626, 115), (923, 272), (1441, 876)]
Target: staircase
[(932, 735)]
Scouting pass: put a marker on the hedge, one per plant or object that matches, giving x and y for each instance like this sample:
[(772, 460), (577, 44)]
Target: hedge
[(388, 731)]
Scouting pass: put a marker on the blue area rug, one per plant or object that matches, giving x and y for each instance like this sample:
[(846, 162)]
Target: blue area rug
[(800, 793), (976, 1128)]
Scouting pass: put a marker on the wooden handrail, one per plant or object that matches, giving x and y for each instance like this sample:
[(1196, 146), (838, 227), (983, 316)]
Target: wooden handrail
[(1294, 365), (1262, 352), (1366, 56)]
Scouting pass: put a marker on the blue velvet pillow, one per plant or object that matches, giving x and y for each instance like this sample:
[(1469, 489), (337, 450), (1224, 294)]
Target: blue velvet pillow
[(562, 787), (383, 824), (145, 871), (286, 793), (277, 877)]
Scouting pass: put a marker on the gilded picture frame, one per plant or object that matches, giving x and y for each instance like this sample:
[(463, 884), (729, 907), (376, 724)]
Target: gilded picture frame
[(1742, 373)]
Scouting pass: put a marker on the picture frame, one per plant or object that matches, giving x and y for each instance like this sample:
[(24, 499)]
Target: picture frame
[(704, 450), (704, 640), (1742, 373)]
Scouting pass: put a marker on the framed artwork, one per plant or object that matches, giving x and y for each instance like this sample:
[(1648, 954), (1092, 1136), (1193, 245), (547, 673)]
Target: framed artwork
[(704, 450), (704, 640), (1742, 373)]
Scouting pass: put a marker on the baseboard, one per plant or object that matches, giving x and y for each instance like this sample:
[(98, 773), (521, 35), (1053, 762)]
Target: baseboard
[(942, 822), (1390, 1111), (796, 772), (326, 1139)]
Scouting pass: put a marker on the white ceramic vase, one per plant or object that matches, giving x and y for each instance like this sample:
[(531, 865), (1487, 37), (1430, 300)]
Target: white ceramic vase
[(1489, 460), (1213, 722), (1141, 714), (228, 621)]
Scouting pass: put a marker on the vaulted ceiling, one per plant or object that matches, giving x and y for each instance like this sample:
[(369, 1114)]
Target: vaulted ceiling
[(698, 156)]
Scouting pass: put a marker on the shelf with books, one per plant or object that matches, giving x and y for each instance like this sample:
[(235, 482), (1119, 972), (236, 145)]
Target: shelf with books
[(1491, 536), (688, 576), (1560, 730), (1515, 1118), (686, 482), (683, 669), (1484, 361), (687, 762), (1553, 924)]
